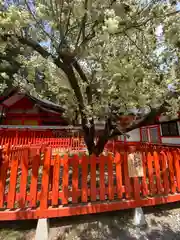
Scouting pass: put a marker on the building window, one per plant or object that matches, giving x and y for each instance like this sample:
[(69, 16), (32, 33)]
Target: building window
[(154, 135), (144, 134), (169, 129)]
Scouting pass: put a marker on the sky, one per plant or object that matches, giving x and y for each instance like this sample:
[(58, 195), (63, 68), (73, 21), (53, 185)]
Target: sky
[(178, 6)]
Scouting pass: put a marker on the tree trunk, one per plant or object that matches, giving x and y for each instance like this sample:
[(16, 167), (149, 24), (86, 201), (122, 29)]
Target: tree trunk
[(97, 148), (89, 138)]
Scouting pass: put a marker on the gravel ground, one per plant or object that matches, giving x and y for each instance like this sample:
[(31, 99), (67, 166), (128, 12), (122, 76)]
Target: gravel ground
[(163, 222)]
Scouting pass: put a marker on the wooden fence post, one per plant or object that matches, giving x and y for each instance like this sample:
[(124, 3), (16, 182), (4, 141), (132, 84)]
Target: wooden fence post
[(45, 180), (3, 172)]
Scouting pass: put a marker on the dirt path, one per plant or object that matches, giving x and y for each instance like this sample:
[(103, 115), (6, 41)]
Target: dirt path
[(163, 223)]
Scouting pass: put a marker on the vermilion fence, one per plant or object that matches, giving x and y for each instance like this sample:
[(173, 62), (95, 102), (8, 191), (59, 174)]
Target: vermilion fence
[(59, 140), (51, 137), (34, 184)]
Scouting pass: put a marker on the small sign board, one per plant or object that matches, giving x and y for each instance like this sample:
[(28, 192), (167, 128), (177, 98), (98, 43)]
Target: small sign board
[(135, 165)]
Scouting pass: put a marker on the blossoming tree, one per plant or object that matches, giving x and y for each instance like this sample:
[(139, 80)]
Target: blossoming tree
[(99, 58)]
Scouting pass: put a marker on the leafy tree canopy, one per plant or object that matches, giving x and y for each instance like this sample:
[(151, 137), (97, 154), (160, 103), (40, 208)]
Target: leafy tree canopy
[(99, 58)]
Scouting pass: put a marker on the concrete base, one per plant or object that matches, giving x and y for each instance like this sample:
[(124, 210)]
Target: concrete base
[(139, 218), (42, 230)]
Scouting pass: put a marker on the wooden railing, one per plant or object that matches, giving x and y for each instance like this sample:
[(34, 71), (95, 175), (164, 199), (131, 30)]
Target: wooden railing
[(34, 184), (51, 137)]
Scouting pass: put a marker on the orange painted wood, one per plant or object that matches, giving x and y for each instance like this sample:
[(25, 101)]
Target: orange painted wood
[(128, 186), (84, 196), (165, 173), (177, 168), (136, 188), (3, 174), (75, 179), (157, 171), (93, 177), (110, 177), (144, 178), (171, 172), (65, 179), (5, 139), (102, 183), (118, 174), (24, 174), (150, 173), (45, 179), (82, 209), (28, 197), (55, 187), (12, 183), (34, 180), (51, 177)]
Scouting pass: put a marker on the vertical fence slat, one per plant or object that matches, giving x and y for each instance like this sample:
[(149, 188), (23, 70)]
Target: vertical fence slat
[(93, 177), (165, 173), (128, 187), (34, 180), (118, 175), (55, 188), (13, 179), (150, 174), (84, 196), (45, 180), (110, 178), (177, 169), (102, 183), (136, 188), (3, 174), (51, 177), (171, 172), (144, 178), (157, 171), (75, 179), (24, 174), (65, 179)]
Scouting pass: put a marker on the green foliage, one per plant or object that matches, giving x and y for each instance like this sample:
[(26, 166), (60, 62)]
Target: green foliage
[(114, 44)]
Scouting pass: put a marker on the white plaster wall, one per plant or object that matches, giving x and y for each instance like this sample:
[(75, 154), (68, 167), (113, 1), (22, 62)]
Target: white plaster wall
[(134, 135), (171, 140)]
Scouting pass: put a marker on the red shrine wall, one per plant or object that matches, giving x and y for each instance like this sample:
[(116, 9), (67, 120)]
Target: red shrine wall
[(25, 112)]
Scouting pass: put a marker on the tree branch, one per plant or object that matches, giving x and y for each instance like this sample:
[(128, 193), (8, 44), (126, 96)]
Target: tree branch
[(63, 37), (84, 79), (140, 50), (137, 25), (35, 46), (10, 60), (39, 24), (147, 120)]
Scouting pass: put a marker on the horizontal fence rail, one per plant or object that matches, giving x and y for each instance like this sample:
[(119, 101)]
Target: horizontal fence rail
[(54, 138), (34, 183), (60, 141)]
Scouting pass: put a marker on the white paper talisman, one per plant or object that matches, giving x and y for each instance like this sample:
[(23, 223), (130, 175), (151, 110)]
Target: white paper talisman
[(135, 165)]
